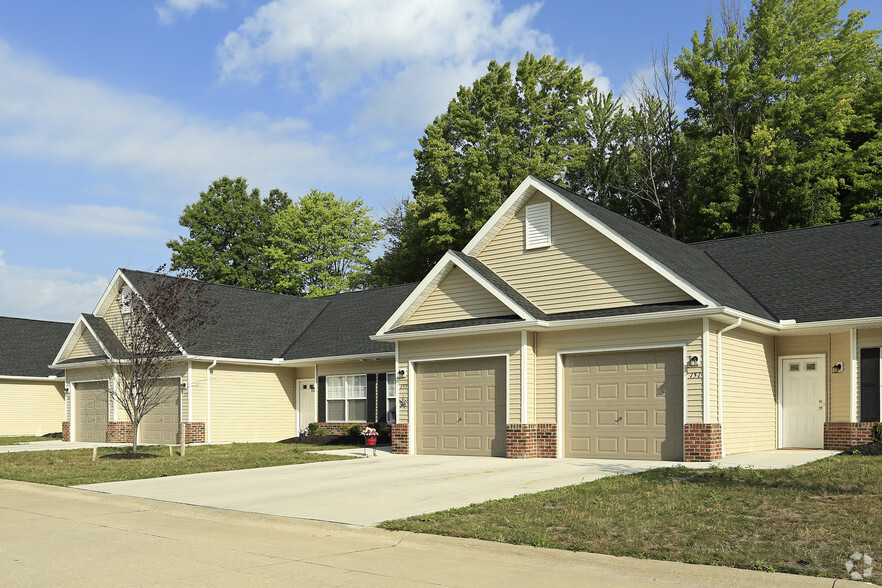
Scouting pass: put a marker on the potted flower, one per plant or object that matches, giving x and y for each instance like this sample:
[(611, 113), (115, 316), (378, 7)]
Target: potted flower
[(370, 436), (303, 433)]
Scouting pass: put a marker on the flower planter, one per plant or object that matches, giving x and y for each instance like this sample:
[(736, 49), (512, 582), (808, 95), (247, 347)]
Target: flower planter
[(371, 441)]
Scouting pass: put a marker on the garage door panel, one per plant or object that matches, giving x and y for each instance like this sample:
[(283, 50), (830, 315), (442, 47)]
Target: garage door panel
[(162, 424), (91, 411), (637, 411), (466, 422)]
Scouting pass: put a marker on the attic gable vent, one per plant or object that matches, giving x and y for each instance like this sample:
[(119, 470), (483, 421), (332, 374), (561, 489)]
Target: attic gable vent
[(538, 225), (125, 300)]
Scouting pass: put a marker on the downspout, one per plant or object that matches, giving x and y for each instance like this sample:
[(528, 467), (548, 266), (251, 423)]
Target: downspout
[(720, 380), (208, 401)]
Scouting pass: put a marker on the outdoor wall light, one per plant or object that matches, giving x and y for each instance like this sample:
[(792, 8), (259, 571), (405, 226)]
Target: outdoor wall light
[(694, 361), (837, 367), (400, 373)]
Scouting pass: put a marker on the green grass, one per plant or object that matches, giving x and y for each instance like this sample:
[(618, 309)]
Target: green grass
[(72, 467), (803, 520), (27, 439)]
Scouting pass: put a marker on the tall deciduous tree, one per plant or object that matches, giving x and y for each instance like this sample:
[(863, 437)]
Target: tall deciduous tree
[(228, 227), (156, 323), (320, 245), (473, 156), (781, 133)]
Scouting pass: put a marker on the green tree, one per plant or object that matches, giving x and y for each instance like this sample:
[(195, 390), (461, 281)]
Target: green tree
[(781, 133), (320, 245), (474, 155), (227, 229)]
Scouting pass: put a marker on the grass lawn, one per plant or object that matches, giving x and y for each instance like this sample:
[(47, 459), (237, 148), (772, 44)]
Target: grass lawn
[(72, 467), (28, 439), (803, 520)]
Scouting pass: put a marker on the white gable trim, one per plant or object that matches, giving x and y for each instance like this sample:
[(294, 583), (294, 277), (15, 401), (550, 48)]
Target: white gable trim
[(75, 333), (434, 278), (528, 188), (109, 292)]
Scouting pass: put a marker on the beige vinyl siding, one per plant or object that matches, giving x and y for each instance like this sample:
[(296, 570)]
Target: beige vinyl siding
[(252, 403), (839, 385), (711, 371), (355, 367), (749, 392), (31, 407), (581, 270), (86, 346), (112, 315), (197, 387), (467, 346), (548, 345), (457, 297), (803, 345), (308, 373)]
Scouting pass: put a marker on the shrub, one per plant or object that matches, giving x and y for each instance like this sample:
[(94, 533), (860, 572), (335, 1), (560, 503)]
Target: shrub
[(311, 429), (353, 430), (877, 432)]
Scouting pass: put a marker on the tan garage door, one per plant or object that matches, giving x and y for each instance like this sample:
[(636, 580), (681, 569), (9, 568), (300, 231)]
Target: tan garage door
[(161, 425), (91, 399), (461, 407), (624, 405)]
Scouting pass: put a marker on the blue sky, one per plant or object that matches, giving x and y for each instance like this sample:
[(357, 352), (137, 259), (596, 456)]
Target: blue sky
[(115, 114)]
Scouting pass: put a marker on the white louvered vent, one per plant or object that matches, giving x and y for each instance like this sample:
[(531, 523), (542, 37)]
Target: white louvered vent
[(538, 226)]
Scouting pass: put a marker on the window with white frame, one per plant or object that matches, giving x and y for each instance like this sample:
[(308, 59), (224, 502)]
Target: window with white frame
[(346, 398), (391, 397)]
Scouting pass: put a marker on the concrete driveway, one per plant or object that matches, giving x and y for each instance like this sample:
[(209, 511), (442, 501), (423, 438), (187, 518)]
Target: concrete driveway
[(372, 489)]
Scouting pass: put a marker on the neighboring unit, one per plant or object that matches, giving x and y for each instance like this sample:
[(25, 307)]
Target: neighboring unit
[(565, 330), (270, 365), (31, 394)]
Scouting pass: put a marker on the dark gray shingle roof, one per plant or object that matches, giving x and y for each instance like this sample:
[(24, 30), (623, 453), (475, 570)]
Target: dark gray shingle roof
[(28, 346), (261, 325), (811, 274), (691, 264)]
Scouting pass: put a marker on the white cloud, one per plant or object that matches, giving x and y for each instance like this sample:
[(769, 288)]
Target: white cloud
[(169, 11), (406, 58), (53, 118), (47, 294), (87, 219)]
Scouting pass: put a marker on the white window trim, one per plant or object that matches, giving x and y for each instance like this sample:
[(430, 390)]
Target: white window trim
[(348, 383)]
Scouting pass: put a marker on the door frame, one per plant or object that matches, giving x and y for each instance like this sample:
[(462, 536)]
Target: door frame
[(822, 360), (311, 381)]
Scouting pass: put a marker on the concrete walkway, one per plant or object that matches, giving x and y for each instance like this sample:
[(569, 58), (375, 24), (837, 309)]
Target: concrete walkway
[(68, 537), (373, 489)]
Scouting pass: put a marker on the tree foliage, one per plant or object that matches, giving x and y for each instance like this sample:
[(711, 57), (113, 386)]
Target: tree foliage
[(782, 132), (473, 156), (227, 229), (156, 322), (320, 245)]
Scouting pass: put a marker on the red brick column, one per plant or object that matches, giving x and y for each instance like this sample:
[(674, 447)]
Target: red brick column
[(120, 432), (65, 430), (400, 438), (530, 441), (841, 436), (195, 432), (703, 442)]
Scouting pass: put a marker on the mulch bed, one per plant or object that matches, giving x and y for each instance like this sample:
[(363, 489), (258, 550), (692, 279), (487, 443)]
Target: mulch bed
[(874, 448)]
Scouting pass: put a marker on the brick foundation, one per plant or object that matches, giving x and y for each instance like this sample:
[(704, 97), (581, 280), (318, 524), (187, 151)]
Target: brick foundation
[(703, 442), (530, 441), (195, 432), (120, 432), (65, 430), (841, 436), (400, 438)]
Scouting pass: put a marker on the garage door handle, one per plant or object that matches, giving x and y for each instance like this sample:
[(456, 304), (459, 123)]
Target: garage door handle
[(618, 419)]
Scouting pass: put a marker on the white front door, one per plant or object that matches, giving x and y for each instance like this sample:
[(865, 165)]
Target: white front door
[(306, 399), (803, 407)]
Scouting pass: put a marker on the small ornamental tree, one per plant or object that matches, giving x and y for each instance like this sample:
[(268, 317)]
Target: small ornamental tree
[(156, 322)]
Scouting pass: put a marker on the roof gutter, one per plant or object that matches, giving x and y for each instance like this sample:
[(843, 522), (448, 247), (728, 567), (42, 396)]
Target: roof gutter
[(33, 378)]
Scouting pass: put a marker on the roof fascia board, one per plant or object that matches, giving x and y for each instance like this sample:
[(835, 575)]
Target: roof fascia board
[(405, 309), (508, 302), (503, 213), (454, 331), (54, 379), (80, 325), (119, 275), (840, 324), (278, 362)]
